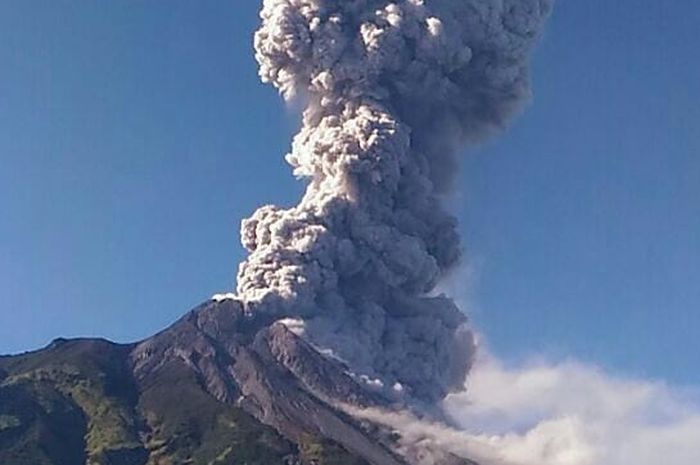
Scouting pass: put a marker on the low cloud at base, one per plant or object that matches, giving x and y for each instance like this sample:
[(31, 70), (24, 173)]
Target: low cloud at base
[(570, 413)]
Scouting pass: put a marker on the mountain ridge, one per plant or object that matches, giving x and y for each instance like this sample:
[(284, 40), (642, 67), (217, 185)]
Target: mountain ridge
[(217, 387)]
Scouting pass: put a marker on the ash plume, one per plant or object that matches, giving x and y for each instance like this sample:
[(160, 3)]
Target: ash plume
[(393, 90)]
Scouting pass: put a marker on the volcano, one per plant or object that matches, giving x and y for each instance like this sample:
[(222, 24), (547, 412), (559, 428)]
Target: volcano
[(216, 387), (336, 308)]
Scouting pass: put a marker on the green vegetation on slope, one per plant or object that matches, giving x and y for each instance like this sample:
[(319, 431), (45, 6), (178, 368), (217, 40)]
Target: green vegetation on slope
[(319, 451), (75, 402), (89, 378)]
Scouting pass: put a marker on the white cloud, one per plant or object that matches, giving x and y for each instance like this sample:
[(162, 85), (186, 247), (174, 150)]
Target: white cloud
[(575, 414), (223, 297)]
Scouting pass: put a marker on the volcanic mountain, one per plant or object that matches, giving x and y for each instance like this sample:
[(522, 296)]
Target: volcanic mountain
[(393, 91), (217, 387)]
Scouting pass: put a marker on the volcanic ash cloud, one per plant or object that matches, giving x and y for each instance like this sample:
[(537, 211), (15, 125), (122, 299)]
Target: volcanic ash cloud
[(392, 92)]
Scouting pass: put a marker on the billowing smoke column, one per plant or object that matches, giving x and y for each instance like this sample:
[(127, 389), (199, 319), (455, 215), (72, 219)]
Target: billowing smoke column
[(393, 89)]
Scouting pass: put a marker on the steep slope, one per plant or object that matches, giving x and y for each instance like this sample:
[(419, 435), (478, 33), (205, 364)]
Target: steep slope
[(67, 403), (215, 388)]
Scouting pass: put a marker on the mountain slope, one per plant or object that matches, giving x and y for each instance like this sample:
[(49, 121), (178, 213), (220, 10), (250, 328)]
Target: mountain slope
[(216, 388)]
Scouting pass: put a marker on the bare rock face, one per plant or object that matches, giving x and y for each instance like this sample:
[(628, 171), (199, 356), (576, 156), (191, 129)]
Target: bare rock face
[(217, 387), (267, 371)]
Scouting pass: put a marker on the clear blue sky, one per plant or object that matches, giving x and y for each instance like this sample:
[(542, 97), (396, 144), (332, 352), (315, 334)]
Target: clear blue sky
[(134, 136)]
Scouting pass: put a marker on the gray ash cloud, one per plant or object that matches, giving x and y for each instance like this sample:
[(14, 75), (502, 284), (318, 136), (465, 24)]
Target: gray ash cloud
[(393, 91)]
